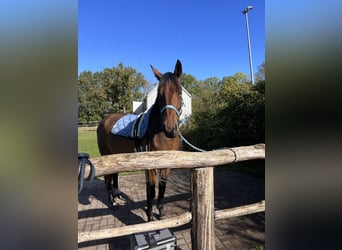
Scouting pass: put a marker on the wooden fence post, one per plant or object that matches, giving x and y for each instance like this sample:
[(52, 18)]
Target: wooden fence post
[(203, 228)]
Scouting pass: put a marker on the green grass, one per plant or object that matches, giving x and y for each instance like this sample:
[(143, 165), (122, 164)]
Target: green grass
[(260, 247), (87, 142)]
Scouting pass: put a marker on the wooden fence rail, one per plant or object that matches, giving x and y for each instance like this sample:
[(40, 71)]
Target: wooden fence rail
[(115, 163), (202, 215), (239, 211), (137, 228)]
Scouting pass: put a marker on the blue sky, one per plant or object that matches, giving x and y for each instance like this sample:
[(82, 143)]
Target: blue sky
[(209, 37)]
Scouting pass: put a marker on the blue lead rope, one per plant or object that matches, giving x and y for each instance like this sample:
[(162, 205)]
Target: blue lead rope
[(202, 150), (187, 142)]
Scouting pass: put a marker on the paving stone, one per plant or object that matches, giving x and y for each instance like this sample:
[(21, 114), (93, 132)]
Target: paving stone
[(231, 189)]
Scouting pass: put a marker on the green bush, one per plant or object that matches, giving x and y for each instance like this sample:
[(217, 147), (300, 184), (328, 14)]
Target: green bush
[(232, 114)]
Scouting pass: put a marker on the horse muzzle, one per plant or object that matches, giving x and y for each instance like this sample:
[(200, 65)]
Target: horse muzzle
[(170, 132)]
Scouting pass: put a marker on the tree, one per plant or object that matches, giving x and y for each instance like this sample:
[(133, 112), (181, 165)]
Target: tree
[(189, 82), (91, 97), (108, 91), (229, 112), (260, 75), (242, 120)]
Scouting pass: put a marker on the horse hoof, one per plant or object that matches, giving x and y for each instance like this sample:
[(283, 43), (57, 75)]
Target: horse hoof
[(113, 204), (150, 217), (161, 213), (122, 199)]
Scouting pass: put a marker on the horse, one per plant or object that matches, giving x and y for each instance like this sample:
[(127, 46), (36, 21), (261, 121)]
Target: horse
[(162, 134)]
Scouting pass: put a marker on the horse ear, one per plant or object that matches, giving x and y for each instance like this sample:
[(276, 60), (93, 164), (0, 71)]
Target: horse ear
[(156, 72), (178, 69)]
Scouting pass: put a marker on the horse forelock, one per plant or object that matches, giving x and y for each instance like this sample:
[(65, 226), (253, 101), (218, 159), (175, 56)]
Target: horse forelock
[(169, 80)]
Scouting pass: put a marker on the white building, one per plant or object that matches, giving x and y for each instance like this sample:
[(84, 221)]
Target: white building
[(139, 107)]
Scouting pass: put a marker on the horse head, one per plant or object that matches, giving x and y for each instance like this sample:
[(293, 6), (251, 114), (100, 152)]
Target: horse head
[(169, 99)]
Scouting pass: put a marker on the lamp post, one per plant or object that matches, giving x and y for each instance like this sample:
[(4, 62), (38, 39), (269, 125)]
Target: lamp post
[(245, 12)]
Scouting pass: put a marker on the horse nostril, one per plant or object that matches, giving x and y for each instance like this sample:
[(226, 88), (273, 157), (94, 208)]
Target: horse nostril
[(170, 132), (173, 131)]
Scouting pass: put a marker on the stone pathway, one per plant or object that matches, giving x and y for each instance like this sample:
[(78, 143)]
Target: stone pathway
[(232, 189)]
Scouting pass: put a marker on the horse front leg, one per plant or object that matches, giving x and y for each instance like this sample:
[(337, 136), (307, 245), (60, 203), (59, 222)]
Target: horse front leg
[(164, 173), (112, 188), (150, 192)]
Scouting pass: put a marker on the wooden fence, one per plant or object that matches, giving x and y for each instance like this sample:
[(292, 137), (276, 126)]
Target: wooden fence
[(202, 215)]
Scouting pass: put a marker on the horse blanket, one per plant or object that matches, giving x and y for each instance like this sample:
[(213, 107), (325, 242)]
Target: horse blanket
[(132, 126)]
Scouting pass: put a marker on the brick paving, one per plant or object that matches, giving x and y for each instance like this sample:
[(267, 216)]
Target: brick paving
[(231, 189)]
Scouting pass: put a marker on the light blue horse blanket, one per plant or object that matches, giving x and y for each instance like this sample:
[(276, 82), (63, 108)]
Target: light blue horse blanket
[(126, 124)]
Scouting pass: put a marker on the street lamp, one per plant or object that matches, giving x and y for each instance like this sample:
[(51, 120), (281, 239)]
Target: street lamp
[(245, 12)]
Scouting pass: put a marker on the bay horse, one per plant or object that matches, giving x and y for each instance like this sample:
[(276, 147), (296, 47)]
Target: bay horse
[(162, 134)]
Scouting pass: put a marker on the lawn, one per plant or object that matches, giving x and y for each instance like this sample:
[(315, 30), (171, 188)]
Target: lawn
[(87, 142)]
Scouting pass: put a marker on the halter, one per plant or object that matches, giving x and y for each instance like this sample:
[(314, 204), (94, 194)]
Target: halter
[(171, 107)]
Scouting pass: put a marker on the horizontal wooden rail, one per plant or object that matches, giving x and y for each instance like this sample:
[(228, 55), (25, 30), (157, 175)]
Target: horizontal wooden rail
[(239, 211), (174, 159), (137, 228)]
